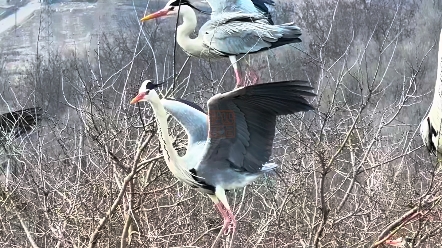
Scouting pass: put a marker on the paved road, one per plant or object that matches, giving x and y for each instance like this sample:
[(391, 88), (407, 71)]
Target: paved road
[(23, 14)]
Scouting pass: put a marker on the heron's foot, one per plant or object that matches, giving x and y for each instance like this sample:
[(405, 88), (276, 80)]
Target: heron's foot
[(226, 226), (252, 77), (230, 228), (225, 215), (231, 224)]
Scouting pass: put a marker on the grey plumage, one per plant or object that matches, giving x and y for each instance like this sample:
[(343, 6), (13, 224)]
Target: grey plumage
[(242, 33), (231, 146), (191, 104), (191, 117), (245, 6), (236, 28), (255, 110)]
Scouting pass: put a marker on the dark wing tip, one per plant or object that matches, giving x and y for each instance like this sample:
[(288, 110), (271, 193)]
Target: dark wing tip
[(260, 4), (299, 84), (283, 97), (269, 2), (20, 121)]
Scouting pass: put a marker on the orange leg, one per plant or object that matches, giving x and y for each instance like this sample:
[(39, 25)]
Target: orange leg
[(253, 76), (236, 69), (228, 217), (238, 79)]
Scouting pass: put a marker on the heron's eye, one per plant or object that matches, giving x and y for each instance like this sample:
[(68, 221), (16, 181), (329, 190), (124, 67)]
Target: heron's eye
[(171, 8)]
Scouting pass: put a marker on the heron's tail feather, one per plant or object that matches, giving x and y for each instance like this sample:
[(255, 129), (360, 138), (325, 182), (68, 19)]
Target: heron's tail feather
[(268, 167), (289, 32)]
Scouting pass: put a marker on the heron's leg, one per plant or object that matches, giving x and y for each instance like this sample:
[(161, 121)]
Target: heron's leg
[(253, 74), (219, 205), (396, 243), (225, 215), (238, 79), (232, 225), (236, 69), (220, 193)]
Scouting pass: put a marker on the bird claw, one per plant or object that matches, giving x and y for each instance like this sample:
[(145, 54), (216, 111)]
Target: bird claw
[(253, 77), (229, 225), (226, 231), (229, 228)]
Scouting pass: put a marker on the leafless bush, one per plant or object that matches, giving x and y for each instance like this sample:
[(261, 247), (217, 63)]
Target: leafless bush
[(353, 173)]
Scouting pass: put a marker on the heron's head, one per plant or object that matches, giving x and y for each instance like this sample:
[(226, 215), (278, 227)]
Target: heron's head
[(146, 92), (172, 7)]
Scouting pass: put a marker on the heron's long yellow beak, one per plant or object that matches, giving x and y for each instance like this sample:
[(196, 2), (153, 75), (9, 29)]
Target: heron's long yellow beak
[(157, 14), (138, 98)]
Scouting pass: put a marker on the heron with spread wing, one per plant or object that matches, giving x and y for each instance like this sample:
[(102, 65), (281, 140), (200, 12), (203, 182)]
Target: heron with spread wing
[(12, 125), (236, 28), (232, 147), (19, 122)]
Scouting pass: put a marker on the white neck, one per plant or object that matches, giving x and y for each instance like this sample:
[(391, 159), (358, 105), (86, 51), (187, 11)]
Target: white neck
[(170, 154), (184, 30), (175, 163)]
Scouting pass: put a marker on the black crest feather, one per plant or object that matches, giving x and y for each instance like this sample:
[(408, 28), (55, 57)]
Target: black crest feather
[(186, 2), (151, 86)]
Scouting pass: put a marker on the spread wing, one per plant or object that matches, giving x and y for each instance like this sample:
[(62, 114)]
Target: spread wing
[(19, 122), (242, 122), (245, 6)]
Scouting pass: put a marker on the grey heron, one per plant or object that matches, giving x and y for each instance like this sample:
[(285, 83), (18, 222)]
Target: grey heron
[(431, 125), (19, 122), (230, 147), (12, 125), (236, 28)]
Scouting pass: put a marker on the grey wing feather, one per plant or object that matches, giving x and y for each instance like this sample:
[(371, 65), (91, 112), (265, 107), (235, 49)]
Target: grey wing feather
[(254, 109), (245, 6), (191, 104), (241, 37), (192, 119)]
